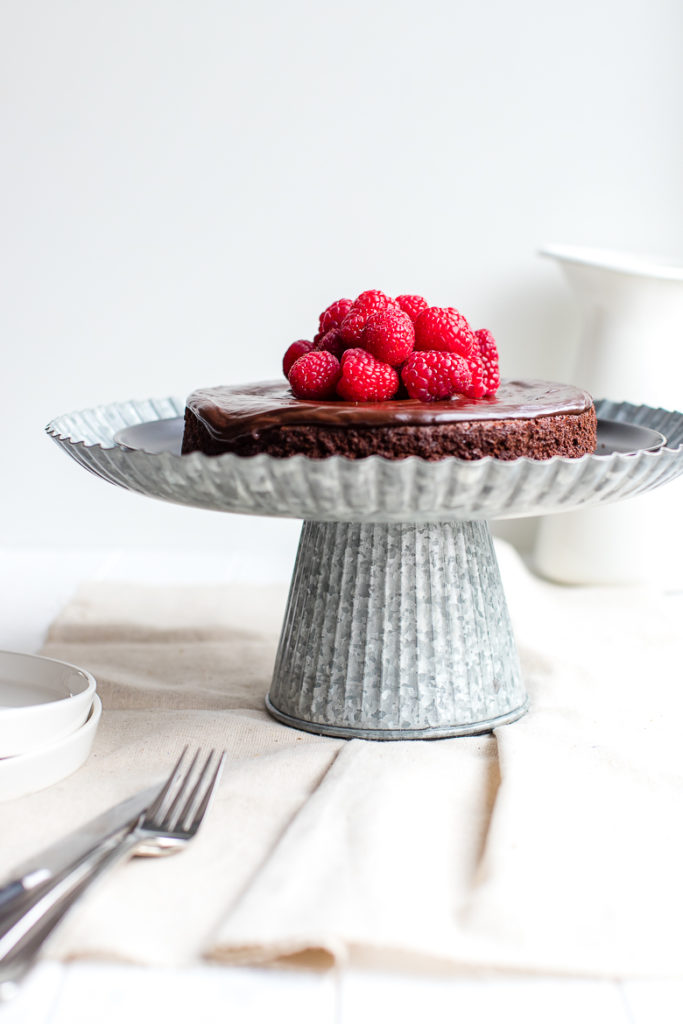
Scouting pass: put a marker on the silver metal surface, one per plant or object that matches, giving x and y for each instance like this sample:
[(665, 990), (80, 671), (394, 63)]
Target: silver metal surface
[(396, 631), (396, 625), (372, 489), (166, 826), (50, 862), (447, 732)]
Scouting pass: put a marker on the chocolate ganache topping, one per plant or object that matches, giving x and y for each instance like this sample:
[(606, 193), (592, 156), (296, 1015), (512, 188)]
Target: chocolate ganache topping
[(247, 409)]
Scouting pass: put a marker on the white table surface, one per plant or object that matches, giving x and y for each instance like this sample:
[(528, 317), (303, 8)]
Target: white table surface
[(35, 584)]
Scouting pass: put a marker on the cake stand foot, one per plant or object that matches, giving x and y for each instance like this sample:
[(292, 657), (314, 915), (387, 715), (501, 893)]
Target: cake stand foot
[(396, 631)]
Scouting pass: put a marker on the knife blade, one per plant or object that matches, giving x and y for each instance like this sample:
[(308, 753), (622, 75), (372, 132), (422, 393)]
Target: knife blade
[(59, 855)]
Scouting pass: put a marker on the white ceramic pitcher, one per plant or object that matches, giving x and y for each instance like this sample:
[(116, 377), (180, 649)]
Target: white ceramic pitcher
[(631, 350)]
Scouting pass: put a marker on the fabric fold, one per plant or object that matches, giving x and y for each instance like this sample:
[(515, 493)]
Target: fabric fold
[(381, 856), (552, 846)]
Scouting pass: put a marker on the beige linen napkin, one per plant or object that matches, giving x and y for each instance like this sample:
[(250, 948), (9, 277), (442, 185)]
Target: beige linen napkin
[(553, 846)]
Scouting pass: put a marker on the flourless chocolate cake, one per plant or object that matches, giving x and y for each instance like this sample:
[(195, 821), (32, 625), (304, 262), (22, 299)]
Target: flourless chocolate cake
[(531, 418)]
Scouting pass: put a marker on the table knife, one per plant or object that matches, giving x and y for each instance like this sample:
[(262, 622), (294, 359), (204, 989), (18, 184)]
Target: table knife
[(50, 862)]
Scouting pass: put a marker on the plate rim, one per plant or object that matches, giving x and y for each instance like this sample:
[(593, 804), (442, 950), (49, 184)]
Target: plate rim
[(91, 721), (74, 748), (27, 709)]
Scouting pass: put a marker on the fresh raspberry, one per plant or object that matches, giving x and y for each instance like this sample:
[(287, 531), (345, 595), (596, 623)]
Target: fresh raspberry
[(353, 326), (366, 379), (332, 342), (373, 301), (358, 354), (476, 387), (315, 375), (488, 357), (365, 305), (412, 305), (334, 314), (443, 330), (389, 336), (429, 376), (294, 352)]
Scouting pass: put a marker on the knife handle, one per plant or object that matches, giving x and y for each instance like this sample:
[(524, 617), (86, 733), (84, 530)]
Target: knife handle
[(14, 895), (9, 894), (22, 935)]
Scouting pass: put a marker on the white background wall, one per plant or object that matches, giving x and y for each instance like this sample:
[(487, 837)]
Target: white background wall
[(186, 185)]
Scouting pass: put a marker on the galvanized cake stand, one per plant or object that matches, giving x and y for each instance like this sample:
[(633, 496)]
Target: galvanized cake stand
[(396, 625)]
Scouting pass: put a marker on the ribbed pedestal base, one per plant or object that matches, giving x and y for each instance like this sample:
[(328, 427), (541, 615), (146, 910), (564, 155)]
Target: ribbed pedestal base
[(396, 631)]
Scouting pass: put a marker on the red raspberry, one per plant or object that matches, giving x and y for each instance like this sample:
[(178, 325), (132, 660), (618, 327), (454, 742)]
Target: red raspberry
[(412, 305), (332, 342), (294, 352), (359, 353), (488, 357), (443, 330), (429, 376), (315, 375), (353, 326), (366, 304), (334, 314), (366, 379), (389, 336), (373, 301), (477, 387)]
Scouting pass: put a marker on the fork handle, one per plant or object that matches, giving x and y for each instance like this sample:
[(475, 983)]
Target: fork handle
[(22, 937)]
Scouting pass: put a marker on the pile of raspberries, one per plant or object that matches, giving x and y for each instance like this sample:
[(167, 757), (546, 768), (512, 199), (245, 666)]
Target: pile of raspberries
[(376, 348)]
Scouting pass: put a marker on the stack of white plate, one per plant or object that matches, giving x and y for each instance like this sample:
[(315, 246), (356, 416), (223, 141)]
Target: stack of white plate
[(49, 713)]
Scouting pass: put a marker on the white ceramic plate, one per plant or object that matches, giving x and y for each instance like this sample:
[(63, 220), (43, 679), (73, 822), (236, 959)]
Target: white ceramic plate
[(28, 773), (41, 701)]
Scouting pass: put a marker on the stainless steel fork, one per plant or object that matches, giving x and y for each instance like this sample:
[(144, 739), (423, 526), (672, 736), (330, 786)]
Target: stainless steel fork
[(165, 827)]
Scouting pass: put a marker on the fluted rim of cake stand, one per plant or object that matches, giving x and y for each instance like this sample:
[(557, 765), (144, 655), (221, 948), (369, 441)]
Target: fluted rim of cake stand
[(373, 489)]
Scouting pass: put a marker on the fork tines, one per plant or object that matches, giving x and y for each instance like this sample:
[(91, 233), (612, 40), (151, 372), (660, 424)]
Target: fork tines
[(182, 802)]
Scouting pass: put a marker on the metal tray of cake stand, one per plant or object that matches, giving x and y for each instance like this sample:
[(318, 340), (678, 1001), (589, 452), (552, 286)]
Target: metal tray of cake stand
[(396, 625)]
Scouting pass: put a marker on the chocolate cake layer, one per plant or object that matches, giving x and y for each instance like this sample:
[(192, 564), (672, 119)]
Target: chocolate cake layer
[(537, 419)]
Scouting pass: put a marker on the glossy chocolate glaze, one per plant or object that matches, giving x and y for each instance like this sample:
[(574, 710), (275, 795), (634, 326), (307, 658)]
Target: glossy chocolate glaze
[(247, 409)]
